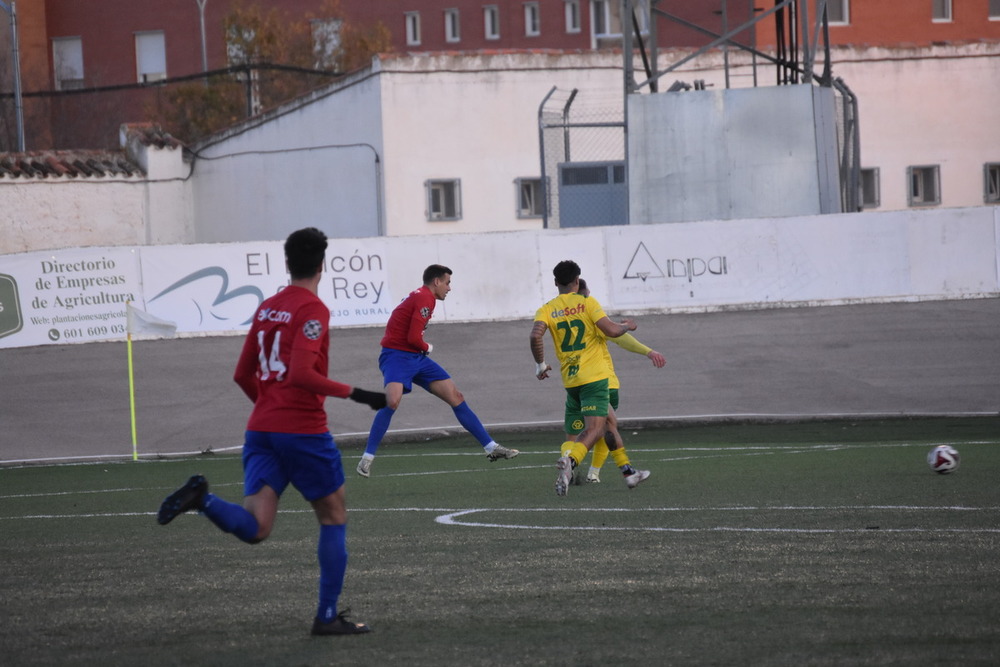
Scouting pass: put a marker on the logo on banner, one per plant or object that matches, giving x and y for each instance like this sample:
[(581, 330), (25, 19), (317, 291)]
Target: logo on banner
[(11, 319), (642, 266), (221, 296)]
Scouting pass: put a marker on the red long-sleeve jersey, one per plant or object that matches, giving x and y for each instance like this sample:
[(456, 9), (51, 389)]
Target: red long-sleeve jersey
[(284, 364), (405, 329)]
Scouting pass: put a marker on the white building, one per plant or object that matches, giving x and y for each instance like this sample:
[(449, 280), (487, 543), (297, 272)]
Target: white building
[(446, 143)]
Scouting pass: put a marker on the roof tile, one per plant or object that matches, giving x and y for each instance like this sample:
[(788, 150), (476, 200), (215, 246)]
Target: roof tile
[(67, 164)]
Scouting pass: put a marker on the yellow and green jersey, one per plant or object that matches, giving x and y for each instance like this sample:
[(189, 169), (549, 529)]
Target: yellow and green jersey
[(580, 347)]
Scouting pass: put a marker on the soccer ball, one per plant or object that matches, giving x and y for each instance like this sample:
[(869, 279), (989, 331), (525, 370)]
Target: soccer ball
[(943, 459)]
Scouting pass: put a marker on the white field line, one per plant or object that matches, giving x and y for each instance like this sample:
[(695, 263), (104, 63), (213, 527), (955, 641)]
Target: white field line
[(764, 449)]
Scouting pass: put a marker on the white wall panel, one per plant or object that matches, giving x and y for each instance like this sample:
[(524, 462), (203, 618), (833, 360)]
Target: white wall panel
[(672, 267)]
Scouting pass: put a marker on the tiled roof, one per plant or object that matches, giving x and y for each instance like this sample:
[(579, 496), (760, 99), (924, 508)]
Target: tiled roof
[(86, 163), (67, 164)]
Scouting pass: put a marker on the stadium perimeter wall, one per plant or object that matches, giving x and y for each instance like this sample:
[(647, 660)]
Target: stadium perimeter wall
[(80, 294)]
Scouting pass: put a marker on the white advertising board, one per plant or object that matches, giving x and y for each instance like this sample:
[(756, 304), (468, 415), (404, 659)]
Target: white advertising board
[(66, 296), (213, 288), (79, 295)]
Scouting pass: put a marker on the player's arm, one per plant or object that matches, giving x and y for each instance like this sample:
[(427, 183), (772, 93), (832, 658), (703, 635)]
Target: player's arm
[(538, 349), (246, 369), (615, 329), (632, 344), (415, 331), (302, 373)]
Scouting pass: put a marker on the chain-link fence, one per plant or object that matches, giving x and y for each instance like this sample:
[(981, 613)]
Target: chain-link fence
[(582, 144)]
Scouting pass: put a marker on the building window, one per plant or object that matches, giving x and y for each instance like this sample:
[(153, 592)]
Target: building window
[(870, 195), (602, 18), (67, 62), (452, 33), (838, 12), (532, 25), (924, 185), (150, 56), (444, 199), (573, 16), (941, 11), (530, 198), (991, 193), (491, 22), (413, 28), (994, 10)]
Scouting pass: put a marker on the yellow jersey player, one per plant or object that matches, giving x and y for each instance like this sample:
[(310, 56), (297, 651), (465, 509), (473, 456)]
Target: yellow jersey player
[(612, 442), (576, 323)]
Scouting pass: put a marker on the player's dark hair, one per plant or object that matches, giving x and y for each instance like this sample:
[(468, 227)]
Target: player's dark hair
[(435, 271), (583, 286), (566, 272), (305, 250)]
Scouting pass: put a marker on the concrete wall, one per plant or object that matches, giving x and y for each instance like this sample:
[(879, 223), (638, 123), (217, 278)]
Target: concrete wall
[(77, 295), (316, 162), (475, 118), (723, 154), (37, 213), (940, 106), (917, 106)]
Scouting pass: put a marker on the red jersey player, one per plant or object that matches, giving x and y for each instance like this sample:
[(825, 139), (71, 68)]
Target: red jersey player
[(283, 370), (404, 362)]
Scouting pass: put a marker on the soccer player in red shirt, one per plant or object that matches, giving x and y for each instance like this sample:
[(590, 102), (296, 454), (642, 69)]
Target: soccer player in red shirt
[(404, 362), (283, 369)]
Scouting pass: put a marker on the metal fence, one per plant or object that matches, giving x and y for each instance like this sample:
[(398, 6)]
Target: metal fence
[(582, 148), (189, 107)]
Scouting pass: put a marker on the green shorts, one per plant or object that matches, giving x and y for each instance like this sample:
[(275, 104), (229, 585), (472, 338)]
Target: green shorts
[(588, 400)]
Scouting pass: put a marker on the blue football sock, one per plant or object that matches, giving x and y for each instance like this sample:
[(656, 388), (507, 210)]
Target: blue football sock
[(231, 518), (468, 419), (379, 426), (332, 553)]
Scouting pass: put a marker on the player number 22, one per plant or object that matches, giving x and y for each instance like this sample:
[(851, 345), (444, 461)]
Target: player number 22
[(270, 363), (568, 329)]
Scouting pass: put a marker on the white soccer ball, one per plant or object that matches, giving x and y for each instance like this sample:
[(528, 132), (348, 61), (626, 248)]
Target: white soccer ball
[(943, 459)]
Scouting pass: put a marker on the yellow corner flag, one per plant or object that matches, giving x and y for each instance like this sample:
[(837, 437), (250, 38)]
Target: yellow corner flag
[(142, 323)]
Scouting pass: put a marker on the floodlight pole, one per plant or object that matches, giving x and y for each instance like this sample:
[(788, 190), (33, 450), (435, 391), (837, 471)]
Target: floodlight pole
[(204, 50), (11, 9)]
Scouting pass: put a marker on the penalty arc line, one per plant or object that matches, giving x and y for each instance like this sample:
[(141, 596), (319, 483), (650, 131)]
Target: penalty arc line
[(455, 519)]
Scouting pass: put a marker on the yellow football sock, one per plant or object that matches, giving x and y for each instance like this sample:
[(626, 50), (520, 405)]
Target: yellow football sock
[(578, 452), (600, 452), (620, 457), (566, 448)]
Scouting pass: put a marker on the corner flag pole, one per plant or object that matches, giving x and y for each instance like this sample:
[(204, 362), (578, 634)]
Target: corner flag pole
[(131, 397), (139, 321)]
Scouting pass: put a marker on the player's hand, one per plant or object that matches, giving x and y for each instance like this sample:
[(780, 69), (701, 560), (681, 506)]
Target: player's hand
[(630, 325), (658, 359), (374, 399), (542, 370), (427, 352)]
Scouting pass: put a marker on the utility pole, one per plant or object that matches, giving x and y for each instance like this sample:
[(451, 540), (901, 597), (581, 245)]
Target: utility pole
[(11, 9), (204, 50)]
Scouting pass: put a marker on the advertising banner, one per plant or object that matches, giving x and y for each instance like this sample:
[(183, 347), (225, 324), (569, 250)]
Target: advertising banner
[(217, 287), (75, 295), (689, 264)]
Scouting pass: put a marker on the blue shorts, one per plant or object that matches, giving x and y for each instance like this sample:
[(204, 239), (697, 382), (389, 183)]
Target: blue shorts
[(311, 462), (409, 368)]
